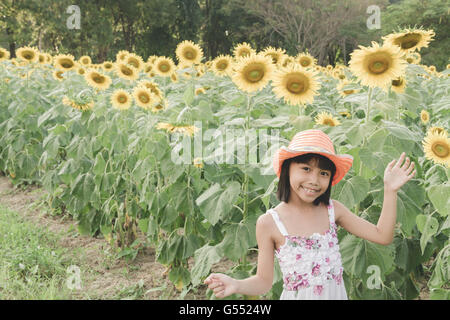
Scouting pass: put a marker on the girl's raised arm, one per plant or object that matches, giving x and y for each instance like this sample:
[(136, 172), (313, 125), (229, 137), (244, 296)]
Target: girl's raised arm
[(223, 285), (395, 176)]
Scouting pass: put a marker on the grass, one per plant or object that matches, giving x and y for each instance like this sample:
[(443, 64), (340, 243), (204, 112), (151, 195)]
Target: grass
[(32, 267)]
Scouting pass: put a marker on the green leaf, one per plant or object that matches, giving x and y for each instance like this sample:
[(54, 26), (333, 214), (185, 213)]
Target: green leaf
[(204, 258), (236, 241), (351, 192), (440, 198), (401, 132), (189, 95), (99, 164), (215, 203), (428, 226), (358, 254)]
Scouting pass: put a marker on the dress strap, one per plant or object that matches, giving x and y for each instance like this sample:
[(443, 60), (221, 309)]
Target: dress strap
[(331, 212), (278, 222)]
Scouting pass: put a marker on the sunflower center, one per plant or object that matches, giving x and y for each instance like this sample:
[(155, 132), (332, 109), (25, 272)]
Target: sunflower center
[(348, 91), (408, 41), (2, 55), (328, 122), (126, 71), (304, 62), (122, 99), (244, 53), (440, 150), (67, 64), (378, 66), (28, 55), (144, 98), (255, 73), (98, 79), (222, 65), (164, 67), (297, 83), (189, 55), (397, 83), (85, 61)]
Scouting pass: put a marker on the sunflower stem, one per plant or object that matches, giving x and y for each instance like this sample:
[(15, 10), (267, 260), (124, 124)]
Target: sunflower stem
[(369, 96)]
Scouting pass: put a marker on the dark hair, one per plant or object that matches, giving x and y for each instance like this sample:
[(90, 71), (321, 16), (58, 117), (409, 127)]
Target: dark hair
[(284, 186)]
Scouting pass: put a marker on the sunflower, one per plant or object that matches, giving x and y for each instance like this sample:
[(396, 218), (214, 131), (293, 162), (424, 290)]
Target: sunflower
[(243, 50), (48, 58), (164, 66), (76, 105), (85, 61), (151, 59), (287, 61), (144, 97), (188, 52), (410, 40), (135, 60), (413, 57), (121, 99), (108, 66), (296, 85), (274, 53), (200, 91), (4, 54), (343, 91), (436, 147), (28, 54), (159, 106), (186, 130), (377, 66), (58, 75), (148, 67), (174, 77), (81, 71), (326, 118), (153, 87), (41, 58), (126, 71), (398, 85), (305, 60), (198, 162), (165, 126), (64, 62), (253, 73), (97, 80), (345, 114), (438, 130), (424, 116), (121, 55)]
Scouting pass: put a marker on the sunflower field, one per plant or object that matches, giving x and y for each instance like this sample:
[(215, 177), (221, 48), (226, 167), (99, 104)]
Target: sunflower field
[(104, 140)]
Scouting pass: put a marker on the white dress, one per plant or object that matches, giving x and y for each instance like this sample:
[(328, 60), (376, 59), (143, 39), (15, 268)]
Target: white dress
[(311, 266)]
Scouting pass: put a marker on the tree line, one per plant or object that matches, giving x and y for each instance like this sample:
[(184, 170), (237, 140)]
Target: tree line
[(328, 29)]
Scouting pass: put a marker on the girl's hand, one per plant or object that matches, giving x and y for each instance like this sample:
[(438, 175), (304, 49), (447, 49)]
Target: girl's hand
[(221, 284), (396, 176)]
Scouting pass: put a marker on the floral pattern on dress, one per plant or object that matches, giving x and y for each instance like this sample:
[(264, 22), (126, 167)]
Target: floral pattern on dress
[(311, 261)]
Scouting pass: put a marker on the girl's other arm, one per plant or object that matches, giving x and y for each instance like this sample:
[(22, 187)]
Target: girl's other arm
[(223, 285), (383, 233)]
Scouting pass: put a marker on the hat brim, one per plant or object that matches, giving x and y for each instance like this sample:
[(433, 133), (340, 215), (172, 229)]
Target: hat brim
[(343, 162)]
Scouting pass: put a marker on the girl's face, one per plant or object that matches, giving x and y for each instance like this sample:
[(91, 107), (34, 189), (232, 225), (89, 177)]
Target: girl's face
[(307, 181)]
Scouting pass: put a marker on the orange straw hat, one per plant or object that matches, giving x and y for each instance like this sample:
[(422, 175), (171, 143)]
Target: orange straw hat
[(313, 141)]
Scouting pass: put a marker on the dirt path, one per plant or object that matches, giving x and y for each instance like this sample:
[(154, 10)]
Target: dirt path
[(103, 277)]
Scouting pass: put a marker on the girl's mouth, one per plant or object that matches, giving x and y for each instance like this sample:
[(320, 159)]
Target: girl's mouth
[(310, 191)]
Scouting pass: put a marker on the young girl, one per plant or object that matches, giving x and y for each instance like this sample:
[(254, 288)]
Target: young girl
[(302, 230)]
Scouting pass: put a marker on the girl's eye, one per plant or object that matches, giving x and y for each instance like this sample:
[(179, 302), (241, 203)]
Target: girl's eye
[(326, 173)]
